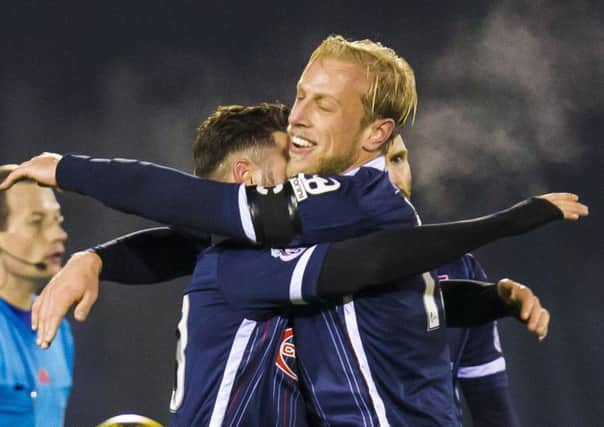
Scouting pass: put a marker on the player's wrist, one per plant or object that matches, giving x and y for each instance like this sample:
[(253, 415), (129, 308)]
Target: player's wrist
[(91, 259)]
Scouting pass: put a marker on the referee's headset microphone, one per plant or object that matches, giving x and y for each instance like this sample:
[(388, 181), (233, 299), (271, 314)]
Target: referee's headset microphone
[(39, 265)]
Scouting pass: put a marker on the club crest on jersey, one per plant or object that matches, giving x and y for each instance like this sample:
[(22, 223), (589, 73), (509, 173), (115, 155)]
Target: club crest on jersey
[(286, 357), (304, 185), (287, 254)]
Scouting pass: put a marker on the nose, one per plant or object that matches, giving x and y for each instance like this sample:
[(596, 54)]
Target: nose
[(299, 113), (58, 234)]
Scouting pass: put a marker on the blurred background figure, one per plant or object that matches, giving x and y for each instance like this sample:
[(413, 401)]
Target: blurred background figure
[(34, 383)]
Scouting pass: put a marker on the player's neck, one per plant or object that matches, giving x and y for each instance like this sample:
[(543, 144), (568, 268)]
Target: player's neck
[(17, 291), (365, 158)]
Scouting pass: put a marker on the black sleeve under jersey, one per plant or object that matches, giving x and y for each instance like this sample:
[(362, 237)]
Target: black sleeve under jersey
[(470, 303), (149, 256), (387, 255)]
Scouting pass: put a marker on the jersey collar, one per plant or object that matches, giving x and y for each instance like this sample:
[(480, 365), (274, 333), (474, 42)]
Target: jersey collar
[(378, 163)]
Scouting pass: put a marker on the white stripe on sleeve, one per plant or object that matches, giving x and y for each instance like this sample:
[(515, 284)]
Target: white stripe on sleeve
[(295, 284), (477, 371), (245, 215)]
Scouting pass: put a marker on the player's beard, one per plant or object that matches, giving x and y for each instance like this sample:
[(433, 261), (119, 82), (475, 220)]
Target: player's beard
[(327, 166), (331, 165)]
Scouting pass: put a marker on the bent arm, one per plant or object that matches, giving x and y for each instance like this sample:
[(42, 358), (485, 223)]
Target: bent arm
[(149, 256)]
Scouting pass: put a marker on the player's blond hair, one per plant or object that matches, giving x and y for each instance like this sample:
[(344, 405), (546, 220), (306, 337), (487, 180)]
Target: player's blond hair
[(391, 93)]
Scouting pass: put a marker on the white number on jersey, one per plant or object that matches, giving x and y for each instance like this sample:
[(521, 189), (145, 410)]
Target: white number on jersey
[(430, 302), (179, 382)]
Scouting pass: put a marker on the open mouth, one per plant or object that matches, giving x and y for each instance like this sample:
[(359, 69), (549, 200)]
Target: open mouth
[(55, 257), (299, 144)]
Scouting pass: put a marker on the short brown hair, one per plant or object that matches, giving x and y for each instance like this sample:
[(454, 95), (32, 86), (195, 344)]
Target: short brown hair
[(234, 128), (391, 93), (4, 172)]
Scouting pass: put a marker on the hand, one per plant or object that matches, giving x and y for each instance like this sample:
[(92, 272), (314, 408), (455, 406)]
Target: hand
[(77, 282), (41, 169), (528, 306), (568, 203)]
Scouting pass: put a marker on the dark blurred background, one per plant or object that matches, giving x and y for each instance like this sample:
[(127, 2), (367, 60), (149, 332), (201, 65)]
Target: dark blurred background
[(511, 104)]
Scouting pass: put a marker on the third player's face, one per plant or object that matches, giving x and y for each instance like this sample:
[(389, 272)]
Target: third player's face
[(399, 170), (325, 121), (272, 170)]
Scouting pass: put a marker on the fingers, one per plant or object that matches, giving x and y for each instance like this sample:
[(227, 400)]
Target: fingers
[(83, 308), (53, 308), (43, 316), (531, 311), (527, 303), (538, 322), (52, 326), (14, 176), (568, 204), (543, 325), (561, 196), (41, 169), (533, 318), (77, 282), (54, 311)]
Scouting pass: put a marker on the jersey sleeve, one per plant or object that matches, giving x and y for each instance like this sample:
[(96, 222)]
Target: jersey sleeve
[(303, 211), (482, 355), (474, 269), (335, 208), (490, 401), (259, 279), (155, 192), (152, 255)]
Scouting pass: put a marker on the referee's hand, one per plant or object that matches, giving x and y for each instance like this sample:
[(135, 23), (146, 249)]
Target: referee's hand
[(76, 283)]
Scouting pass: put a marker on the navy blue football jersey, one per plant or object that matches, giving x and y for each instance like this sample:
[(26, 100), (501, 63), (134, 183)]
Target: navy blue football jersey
[(379, 357), (235, 352), (475, 352)]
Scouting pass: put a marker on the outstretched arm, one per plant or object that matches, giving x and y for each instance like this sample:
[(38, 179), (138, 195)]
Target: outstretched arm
[(380, 257), (304, 210), (349, 266)]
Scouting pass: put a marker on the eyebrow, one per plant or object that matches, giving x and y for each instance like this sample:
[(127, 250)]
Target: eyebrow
[(318, 96), (321, 96)]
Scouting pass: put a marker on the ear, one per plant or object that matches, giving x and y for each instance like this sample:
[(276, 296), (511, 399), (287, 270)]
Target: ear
[(379, 132), (243, 172)]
